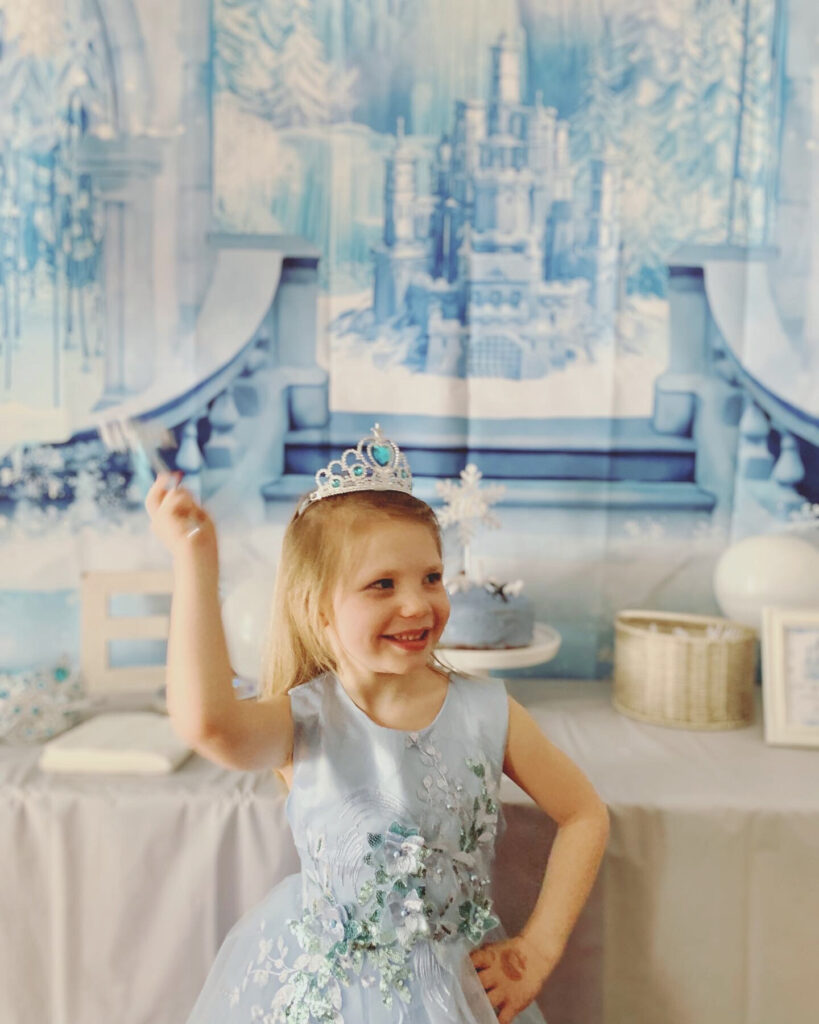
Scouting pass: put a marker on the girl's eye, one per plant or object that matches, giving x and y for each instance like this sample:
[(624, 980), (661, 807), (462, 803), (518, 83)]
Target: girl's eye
[(434, 577), (385, 584)]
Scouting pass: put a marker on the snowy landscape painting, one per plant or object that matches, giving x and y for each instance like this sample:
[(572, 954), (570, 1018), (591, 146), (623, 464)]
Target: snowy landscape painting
[(572, 242), (507, 223)]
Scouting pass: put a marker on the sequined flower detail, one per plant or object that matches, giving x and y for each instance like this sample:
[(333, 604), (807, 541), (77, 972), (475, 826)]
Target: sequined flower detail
[(413, 924), (425, 881), (404, 850), (333, 920), (476, 919)]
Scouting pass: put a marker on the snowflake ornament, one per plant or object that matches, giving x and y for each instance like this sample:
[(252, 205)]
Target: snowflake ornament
[(466, 505)]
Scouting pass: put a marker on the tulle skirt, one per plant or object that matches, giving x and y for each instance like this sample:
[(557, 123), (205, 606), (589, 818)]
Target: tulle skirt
[(261, 975)]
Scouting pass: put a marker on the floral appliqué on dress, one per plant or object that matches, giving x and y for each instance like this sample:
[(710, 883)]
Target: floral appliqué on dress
[(427, 881)]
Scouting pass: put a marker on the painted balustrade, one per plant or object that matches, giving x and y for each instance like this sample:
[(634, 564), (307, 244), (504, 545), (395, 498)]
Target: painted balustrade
[(223, 446), (772, 480), (705, 381), (272, 386)]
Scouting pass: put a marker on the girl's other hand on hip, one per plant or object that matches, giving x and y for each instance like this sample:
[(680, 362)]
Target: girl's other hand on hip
[(511, 973)]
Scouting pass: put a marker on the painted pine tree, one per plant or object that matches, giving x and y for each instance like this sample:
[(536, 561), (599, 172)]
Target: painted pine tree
[(269, 55), (712, 123), (600, 123), (756, 151), (53, 90), (685, 97)]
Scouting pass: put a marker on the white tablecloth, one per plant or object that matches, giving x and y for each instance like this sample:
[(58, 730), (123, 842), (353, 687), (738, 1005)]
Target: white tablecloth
[(117, 891)]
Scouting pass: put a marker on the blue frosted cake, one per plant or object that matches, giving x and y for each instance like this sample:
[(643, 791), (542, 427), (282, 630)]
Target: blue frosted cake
[(488, 616)]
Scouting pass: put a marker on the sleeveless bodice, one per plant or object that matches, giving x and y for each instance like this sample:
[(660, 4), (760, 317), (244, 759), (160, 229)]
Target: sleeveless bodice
[(395, 830)]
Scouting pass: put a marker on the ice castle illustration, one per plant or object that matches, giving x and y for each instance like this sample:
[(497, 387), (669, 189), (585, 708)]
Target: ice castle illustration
[(495, 272)]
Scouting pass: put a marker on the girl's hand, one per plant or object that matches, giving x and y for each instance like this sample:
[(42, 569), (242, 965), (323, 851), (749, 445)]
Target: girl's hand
[(512, 973), (180, 523)]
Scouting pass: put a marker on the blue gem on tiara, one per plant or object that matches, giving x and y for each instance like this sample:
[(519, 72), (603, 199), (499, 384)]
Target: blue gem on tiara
[(382, 454), (375, 464)]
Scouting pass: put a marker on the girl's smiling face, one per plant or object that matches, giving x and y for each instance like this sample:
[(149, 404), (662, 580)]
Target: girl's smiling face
[(390, 608)]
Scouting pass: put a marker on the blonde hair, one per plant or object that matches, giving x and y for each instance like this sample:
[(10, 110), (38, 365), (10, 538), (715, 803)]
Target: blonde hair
[(314, 556)]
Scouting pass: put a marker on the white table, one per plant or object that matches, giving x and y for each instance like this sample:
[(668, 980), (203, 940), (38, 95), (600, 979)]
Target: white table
[(709, 893), (117, 891)]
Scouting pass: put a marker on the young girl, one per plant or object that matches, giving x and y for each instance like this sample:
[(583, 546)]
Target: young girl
[(393, 766)]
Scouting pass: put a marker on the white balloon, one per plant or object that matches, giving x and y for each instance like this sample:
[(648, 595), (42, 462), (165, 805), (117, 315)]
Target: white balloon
[(245, 614), (775, 569)]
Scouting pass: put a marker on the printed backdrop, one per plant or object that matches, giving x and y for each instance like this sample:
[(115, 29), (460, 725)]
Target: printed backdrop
[(572, 243)]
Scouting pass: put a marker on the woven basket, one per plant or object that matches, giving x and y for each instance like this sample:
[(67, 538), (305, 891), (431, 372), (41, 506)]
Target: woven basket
[(687, 682)]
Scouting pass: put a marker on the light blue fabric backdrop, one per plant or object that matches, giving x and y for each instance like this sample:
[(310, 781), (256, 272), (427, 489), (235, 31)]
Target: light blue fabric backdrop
[(575, 243)]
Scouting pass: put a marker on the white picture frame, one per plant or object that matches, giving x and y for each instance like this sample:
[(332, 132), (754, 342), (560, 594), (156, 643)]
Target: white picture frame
[(790, 676)]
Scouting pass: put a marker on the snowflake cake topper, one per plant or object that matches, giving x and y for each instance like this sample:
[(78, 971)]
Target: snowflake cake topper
[(467, 506)]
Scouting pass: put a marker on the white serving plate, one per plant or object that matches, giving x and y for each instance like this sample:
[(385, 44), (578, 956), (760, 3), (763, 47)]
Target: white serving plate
[(545, 645)]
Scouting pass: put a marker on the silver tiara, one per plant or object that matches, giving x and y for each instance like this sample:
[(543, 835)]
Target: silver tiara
[(375, 464)]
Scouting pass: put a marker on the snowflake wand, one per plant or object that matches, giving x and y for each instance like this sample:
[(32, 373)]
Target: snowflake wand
[(467, 506)]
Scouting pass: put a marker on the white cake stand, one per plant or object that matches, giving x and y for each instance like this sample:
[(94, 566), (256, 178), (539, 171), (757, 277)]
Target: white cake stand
[(544, 646)]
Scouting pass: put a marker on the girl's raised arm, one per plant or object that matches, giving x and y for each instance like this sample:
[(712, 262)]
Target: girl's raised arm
[(201, 702)]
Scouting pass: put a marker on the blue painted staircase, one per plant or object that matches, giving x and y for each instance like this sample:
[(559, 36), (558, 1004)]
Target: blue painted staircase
[(553, 463)]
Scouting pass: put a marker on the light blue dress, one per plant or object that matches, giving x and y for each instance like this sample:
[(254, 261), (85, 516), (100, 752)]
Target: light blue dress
[(396, 834)]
